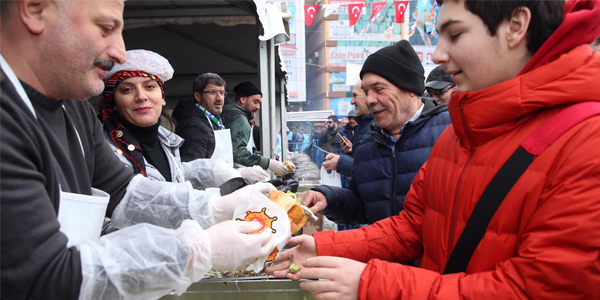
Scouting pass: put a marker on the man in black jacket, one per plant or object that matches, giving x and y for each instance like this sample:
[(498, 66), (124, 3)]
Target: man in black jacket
[(198, 119), (389, 159)]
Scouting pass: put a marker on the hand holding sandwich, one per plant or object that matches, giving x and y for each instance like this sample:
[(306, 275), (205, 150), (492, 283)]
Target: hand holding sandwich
[(223, 207)]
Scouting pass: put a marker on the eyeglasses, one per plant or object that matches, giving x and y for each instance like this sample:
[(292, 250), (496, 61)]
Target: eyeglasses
[(437, 92), (214, 92), (329, 122)]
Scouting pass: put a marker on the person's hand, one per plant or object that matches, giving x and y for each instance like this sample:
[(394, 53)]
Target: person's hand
[(305, 248), (342, 277), (233, 249), (223, 207), (277, 167), (346, 144), (314, 200), (255, 173), (331, 161)]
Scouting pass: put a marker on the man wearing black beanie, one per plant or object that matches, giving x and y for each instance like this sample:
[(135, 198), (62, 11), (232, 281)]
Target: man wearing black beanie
[(388, 160), (238, 117)]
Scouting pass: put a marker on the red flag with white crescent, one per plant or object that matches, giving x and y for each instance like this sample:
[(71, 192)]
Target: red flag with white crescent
[(376, 8), (354, 12), (400, 7), (310, 11)]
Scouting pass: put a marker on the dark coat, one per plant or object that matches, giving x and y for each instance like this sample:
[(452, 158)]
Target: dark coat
[(347, 132), (381, 177), (195, 129), (330, 142), (39, 155), (361, 132)]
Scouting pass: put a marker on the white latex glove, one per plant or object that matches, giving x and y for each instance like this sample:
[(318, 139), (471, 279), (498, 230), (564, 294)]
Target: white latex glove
[(255, 173), (223, 207), (232, 248), (206, 173), (144, 261), (277, 167)]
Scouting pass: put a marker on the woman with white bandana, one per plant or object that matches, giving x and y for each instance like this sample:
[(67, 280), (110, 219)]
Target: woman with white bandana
[(132, 108)]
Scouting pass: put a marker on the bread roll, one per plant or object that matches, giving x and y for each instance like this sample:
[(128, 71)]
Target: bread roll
[(295, 212), (291, 168)]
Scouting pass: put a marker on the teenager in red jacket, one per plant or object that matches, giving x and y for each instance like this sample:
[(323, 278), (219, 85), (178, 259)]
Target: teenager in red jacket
[(516, 64)]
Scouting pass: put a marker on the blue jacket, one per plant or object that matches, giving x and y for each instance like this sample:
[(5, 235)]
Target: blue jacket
[(361, 132), (381, 177)]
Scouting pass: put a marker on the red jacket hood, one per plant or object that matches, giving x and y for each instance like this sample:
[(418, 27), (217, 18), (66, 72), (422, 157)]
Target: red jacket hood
[(581, 25), (496, 110)]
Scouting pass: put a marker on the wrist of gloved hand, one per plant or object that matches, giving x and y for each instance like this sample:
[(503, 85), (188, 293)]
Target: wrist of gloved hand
[(255, 173), (199, 257), (201, 207)]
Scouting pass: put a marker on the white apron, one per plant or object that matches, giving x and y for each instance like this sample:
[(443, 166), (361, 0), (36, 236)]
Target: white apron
[(251, 144), (223, 147), (80, 216)]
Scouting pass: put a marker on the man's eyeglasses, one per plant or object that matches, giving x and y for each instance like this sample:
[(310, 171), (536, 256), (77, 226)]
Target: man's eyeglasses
[(329, 122), (437, 92), (214, 92)]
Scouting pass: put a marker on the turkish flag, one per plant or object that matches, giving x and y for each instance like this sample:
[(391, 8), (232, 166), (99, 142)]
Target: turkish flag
[(377, 7), (400, 7), (310, 11), (354, 12)]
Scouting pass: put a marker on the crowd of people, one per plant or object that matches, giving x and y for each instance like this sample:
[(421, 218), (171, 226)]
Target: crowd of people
[(477, 182)]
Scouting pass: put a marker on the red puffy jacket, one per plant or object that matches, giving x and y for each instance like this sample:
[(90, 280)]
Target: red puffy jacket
[(543, 242)]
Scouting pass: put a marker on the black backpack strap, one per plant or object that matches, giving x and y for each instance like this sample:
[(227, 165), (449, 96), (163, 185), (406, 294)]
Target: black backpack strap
[(508, 175)]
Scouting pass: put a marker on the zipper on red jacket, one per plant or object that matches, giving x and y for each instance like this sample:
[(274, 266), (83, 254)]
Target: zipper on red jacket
[(453, 213)]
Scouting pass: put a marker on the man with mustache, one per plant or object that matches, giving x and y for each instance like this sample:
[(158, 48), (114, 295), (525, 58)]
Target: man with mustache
[(55, 54), (237, 117), (387, 162)]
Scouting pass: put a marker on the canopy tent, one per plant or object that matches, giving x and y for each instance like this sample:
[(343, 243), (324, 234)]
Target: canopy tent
[(222, 37)]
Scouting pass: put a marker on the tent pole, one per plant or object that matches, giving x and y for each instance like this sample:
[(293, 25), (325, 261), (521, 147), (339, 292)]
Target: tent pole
[(265, 121), (272, 105), (282, 116)]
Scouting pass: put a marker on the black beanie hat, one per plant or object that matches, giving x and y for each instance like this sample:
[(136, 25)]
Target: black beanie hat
[(246, 89), (399, 64)]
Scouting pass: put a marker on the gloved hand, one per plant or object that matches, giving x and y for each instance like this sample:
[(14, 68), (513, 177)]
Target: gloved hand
[(233, 249), (223, 207), (277, 167), (255, 173)]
